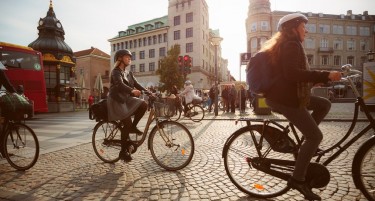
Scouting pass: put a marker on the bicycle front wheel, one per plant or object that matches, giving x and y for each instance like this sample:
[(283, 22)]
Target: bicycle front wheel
[(106, 141), (363, 169), (21, 146), (171, 145), (239, 152), (196, 113)]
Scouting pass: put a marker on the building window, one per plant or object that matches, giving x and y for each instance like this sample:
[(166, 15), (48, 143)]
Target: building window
[(254, 43), (154, 41), (323, 42), (364, 31), (132, 68), (310, 43), (324, 28), (126, 45), (151, 66), (176, 35), (310, 59), (139, 42), (189, 17), (160, 37), (350, 60), (189, 47), (151, 53), (165, 37), (325, 60), (133, 56), (337, 44), (351, 44), (337, 60), (338, 29), (189, 32), (142, 68), (149, 40), (144, 41), (311, 28), (142, 55), (176, 20), (364, 45), (50, 78), (253, 27), (351, 30), (264, 25), (130, 44), (162, 52)]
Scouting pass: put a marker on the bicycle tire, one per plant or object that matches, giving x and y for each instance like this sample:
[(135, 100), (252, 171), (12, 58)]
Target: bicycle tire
[(176, 115), (363, 170), (239, 150), (176, 155), (196, 113), (106, 141), (21, 146)]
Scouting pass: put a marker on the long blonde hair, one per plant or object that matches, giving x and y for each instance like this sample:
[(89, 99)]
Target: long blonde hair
[(273, 45)]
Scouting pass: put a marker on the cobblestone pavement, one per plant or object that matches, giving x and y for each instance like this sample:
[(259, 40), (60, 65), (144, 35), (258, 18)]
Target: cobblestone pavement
[(75, 173)]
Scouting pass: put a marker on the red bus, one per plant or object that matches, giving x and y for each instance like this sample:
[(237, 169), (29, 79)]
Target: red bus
[(25, 68)]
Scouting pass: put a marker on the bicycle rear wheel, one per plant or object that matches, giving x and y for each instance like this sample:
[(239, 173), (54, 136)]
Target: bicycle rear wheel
[(21, 146), (196, 113), (240, 151), (171, 145), (106, 141), (363, 169)]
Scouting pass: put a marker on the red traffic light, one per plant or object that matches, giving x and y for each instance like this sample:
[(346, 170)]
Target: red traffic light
[(186, 57)]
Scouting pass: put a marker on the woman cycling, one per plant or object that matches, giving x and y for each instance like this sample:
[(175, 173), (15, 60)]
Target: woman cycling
[(290, 95), (123, 101)]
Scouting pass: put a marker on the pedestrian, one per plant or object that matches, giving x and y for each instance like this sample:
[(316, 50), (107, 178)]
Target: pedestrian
[(242, 98), (232, 98), (91, 100), (225, 96), (290, 94), (212, 96), (123, 101)]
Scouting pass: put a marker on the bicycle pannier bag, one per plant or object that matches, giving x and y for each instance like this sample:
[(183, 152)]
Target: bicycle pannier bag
[(99, 111), (14, 106)]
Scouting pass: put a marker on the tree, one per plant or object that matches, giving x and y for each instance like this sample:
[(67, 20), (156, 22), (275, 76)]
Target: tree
[(168, 70)]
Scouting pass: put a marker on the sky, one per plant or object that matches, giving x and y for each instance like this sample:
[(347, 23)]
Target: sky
[(90, 23)]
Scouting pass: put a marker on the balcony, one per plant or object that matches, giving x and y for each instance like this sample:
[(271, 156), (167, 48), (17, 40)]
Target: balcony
[(325, 50)]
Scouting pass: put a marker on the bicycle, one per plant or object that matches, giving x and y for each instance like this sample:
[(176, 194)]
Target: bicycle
[(259, 158), (171, 143), (20, 145), (195, 111)]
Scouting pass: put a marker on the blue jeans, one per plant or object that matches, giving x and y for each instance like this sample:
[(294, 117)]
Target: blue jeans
[(308, 125)]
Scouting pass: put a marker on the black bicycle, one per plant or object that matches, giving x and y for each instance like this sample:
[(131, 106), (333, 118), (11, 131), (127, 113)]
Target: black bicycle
[(259, 158), (195, 111), (171, 143)]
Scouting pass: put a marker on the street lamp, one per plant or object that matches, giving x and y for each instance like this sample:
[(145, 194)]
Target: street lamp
[(370, 55), (215, 40)]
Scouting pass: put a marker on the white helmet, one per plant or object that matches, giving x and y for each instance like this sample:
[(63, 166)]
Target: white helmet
[(291, 20), (188, 82)]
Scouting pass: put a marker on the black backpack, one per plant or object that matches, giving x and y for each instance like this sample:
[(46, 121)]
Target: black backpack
[(99, 111), (260, 75)]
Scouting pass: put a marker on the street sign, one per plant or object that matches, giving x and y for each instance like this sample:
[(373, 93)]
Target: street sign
[(245, 58)]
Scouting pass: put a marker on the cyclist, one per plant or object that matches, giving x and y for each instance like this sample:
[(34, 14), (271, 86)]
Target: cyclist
[(188, 94), (4, 81), (123, 101), (290, 95)]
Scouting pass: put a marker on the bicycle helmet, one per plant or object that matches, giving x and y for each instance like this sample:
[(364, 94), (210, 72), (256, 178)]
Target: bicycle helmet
[(121, 53), (188, 82), (291, 21)]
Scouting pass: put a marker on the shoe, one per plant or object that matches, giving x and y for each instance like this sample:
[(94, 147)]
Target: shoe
[(303, 188), (136, 131), (125, 156)]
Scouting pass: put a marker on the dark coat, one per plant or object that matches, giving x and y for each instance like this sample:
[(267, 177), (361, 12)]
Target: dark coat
[(120, 102), (284, 91)]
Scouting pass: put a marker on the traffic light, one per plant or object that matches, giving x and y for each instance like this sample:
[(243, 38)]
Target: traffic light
[(186, 60), (189, 65), (181, 64)]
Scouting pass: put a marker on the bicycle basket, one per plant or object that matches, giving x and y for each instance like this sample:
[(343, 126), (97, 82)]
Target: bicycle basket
[(164, 108), (14, 106)]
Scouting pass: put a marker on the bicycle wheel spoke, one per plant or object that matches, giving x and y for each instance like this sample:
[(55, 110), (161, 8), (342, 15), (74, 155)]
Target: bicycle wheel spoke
[(22, 146), (172, 145)]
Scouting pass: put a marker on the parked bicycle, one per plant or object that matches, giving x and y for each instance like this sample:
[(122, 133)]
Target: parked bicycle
[(171, 143), (195, 111), (259, 158)]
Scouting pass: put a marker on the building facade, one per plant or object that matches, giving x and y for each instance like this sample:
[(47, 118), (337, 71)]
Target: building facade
[(332, 41), (186, 25)]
